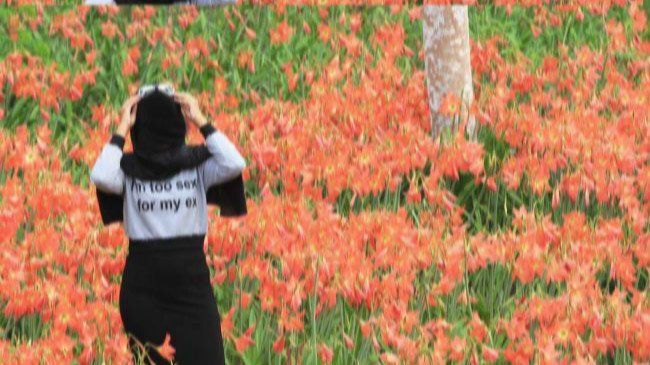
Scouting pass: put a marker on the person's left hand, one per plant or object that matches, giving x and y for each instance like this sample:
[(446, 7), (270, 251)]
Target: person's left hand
[(190, 108)]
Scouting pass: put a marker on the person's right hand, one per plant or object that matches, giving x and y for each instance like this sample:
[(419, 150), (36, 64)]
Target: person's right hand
[(128, 115), (190, 108)]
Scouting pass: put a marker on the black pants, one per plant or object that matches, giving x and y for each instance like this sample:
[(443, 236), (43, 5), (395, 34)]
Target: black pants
[(166, 288)]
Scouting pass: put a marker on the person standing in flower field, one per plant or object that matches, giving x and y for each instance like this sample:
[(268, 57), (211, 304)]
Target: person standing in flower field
[(160, 192)]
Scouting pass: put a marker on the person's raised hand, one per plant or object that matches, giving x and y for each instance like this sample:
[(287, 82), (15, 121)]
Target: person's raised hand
[(128, 115), (190, 108)]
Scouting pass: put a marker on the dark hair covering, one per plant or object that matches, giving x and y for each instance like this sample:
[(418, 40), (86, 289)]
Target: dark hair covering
[(159, 125), (158, 138)]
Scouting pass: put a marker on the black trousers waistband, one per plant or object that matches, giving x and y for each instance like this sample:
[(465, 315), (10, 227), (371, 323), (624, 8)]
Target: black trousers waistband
[(183, 243)]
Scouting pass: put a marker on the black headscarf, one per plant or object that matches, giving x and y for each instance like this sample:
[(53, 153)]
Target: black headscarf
[(158, 139), (159, 152)]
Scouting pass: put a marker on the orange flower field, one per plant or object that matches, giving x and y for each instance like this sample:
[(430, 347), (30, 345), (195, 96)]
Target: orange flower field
[(366, 240)]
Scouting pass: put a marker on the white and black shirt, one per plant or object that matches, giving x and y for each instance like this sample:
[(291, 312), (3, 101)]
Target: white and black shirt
[(172, 207)]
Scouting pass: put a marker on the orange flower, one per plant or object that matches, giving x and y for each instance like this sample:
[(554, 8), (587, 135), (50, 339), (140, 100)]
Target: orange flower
[(110, 30), (489, 354), (325, 354), (166, 350), (227, 324), (477, 328), (450, 105), (349, 343), (250, 34), (279, 344), (245, 340), (245, 60), (130, 66), (282, 33)]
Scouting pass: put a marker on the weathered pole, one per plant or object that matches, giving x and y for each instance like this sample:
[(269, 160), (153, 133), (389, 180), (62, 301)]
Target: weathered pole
[(447, 61)]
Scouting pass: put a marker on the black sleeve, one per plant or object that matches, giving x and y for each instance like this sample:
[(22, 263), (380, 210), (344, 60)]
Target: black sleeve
[(110, 207), (117, 140), (229, 196), (207, 130)]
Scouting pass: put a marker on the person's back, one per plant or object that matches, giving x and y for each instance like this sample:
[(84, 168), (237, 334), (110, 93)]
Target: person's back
[(163, 190), (174, 207)]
